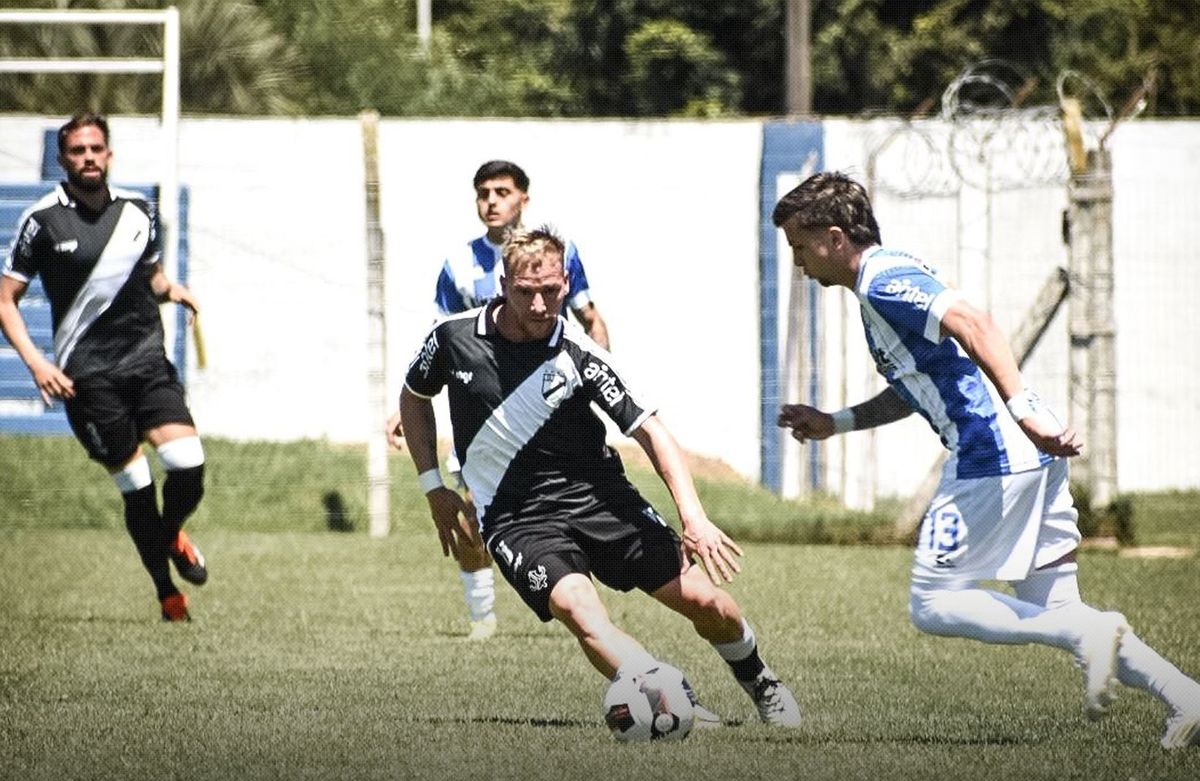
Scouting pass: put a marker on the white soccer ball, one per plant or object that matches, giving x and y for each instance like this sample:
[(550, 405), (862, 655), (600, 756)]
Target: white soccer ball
[(653, 705)]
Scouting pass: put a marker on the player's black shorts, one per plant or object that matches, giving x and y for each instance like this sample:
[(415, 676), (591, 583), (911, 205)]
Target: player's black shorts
[(110, 412), (619, 539)]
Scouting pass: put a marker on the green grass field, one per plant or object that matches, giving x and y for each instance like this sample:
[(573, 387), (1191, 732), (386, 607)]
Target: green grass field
[(324, 655)]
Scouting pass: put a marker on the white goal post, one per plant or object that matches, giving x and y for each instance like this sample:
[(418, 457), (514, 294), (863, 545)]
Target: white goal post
[(167, 65)]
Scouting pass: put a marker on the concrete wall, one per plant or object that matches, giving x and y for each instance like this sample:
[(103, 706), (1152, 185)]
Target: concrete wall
[(665, 215)]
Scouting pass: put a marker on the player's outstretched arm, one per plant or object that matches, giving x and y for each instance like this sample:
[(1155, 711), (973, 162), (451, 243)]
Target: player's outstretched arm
[(810, 423), (452, 516), (701, 537), (52, 383), (983, 341)]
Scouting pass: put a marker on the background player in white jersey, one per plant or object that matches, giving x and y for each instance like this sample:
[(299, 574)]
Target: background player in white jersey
[(470, 277), (1003, 510), (552, 499), (96, 249)]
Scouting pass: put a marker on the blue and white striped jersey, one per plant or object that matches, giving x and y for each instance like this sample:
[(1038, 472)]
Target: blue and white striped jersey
[(470, 277), (903, 303)]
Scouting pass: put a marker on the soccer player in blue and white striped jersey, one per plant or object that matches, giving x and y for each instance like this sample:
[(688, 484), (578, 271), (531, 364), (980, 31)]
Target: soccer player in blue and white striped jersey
[(1003, 510)]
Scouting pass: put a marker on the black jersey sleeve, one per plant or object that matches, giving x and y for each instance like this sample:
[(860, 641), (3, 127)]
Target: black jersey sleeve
[(29, 242), (426, 372), (604, 385), (153, 252)]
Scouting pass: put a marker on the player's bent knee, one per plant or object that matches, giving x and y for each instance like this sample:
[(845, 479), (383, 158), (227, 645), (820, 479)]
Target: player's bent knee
[(929, 612), (574, 601), (921, 607), (708, 608)]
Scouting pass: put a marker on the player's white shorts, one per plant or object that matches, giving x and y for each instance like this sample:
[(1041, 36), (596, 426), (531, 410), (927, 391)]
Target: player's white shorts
[(997, 528)]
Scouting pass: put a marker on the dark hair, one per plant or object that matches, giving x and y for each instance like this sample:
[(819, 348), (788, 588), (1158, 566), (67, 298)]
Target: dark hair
[(493, 168), (831, 198), (82, 119), (541, 242)]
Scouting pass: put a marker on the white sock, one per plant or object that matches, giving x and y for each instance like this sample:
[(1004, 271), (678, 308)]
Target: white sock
[(994, 617), (738, 650), (479, 592), (134, 476), (1140, 666)]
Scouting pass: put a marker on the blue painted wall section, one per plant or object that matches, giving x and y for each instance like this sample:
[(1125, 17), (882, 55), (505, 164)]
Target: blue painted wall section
[(785, 149)]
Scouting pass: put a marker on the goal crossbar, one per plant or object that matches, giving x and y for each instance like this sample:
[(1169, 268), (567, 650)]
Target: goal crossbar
[(167, 65)]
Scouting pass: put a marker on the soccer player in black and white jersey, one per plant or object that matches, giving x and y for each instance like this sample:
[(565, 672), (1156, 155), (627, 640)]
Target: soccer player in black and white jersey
[(470, 276), (96, 249), (552, 500)]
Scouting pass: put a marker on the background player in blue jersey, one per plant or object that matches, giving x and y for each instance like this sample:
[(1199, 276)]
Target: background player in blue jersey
[(470, 277), (1003, 510), (96, 249), (552, 498)]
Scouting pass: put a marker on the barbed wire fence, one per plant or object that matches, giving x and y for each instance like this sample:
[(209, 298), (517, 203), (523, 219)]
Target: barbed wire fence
[(989, 158)]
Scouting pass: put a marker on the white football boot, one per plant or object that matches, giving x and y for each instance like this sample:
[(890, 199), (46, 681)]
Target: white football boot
[(1183, 730), (774, 701), (483, 628)]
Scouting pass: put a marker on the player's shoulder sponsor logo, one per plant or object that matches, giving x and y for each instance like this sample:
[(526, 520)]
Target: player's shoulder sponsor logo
[(25, 245), (605, 380), (424, 360), (903, 289), (66, 247)]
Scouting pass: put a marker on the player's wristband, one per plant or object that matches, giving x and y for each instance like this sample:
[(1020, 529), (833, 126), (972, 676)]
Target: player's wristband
[(430, 480), (1025, 404), (843, 420)]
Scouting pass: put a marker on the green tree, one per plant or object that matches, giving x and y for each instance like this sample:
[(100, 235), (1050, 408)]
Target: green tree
[(675, 70), (494, 58), (659, 57), (231, 62)]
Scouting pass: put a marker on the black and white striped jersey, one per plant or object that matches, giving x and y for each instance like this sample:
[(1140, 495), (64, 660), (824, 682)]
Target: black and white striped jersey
[(95, 268), (521, 412)]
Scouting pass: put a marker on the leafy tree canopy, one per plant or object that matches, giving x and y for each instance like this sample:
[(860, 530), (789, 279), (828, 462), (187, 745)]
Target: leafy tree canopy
[(577, 58)]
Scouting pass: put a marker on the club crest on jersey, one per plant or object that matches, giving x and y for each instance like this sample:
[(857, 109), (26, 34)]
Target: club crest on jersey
[(554, 386), (538, 579)]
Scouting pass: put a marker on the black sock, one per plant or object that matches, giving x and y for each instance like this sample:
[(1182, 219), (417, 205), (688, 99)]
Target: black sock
[(747, 669), (182, 491), (145, 527)]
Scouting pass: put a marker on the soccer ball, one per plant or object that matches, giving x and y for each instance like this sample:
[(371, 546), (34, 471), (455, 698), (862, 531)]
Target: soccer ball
[(653, 705)]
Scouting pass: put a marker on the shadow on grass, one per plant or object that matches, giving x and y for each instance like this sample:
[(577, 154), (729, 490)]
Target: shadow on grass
[(336, 518)]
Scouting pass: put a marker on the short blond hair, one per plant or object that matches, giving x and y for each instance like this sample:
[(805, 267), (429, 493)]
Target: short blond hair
[(539, 244)]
